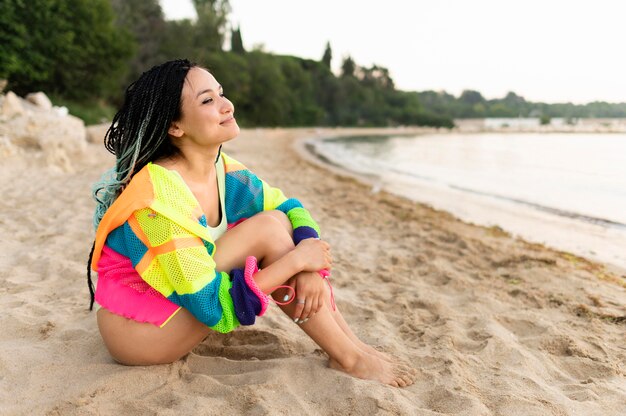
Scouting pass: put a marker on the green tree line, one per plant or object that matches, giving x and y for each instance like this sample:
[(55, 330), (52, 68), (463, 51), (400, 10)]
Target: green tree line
[(83, 53), (471, 104)]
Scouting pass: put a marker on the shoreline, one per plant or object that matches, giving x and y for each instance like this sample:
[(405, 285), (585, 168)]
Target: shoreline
[(532, 223), (493, 324)]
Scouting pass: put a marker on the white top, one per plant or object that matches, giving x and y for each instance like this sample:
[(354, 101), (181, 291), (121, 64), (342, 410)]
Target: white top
[(216, 232)]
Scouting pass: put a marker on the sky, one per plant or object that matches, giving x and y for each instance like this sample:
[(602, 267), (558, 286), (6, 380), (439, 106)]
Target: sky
[(544, 50)]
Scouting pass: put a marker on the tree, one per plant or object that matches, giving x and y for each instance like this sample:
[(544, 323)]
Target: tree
[(178, 40), (69, 47), (211, 24), (376, 76), (348, 67), (145, 21), (13, 44), (471, 97), (328, 56), (236, 43)]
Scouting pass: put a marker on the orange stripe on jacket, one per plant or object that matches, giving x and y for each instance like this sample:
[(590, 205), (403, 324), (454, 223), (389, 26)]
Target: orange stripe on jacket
[(167, 247), (133, 198), (176, 244)]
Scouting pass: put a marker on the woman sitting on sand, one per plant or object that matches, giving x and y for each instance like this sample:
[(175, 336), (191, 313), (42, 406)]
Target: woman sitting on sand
[(175, 214)]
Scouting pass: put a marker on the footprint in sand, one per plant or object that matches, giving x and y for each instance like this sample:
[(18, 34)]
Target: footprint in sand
[(580, 393), (443, 400), (575, 360), (248, 344), (524, 328)]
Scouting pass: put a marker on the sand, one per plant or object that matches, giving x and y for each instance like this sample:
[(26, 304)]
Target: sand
[(494, 325)]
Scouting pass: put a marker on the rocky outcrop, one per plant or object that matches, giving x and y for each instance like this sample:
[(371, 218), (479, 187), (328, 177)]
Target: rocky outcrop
[(34, 125), (40, 100)]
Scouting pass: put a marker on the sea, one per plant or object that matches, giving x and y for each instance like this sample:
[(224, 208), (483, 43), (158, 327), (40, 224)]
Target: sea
[(564, 190)]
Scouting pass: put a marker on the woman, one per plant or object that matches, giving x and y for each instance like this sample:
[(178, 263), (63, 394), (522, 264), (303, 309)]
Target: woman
[(175, 214)]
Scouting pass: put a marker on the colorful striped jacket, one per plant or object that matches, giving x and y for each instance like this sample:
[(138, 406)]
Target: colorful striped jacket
[(154, 255)]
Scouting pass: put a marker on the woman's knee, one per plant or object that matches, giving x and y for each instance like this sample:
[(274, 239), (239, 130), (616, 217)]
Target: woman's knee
[(262, 235), (268, 230), (281, 218)]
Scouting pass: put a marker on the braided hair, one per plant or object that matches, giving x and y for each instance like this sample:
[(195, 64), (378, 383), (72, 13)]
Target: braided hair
[(138, 134)]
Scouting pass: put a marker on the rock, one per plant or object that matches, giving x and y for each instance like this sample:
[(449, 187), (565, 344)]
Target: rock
[(7, 148), (3, 84), (40, 99), (61, 111), (96, 132), (36, 126), (12, 105), (58, 158)]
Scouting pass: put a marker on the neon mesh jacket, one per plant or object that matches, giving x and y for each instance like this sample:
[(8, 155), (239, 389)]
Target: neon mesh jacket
[(154, 254)]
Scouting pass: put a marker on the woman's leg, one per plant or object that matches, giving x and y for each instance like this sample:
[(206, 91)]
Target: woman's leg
[(323, 328), (336, 314), (345, 354), (365, 347)]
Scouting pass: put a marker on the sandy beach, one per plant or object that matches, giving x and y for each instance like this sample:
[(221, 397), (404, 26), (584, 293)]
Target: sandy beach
[(493, 324)]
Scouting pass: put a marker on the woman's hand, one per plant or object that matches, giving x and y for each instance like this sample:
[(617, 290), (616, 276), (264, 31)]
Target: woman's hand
[(313, 255), (310, 292)]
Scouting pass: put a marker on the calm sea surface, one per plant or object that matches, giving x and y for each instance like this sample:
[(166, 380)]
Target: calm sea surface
[(548, 184)]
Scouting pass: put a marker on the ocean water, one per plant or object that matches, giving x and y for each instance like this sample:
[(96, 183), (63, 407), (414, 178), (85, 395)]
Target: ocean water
[(564, 190)]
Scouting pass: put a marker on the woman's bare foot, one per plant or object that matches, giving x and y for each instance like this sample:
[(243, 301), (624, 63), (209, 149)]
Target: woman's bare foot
[(380, 354), (371, 367), (384, 356), (361, 345)]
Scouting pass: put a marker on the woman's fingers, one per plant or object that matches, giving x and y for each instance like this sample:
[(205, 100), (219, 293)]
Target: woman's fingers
[(291, 283), (319, 303), (313, 309), (300, 303), (310, 297), (307, 308)]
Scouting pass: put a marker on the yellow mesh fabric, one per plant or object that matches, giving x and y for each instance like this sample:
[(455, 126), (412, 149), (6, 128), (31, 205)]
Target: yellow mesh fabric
[(153, 275), (170, 187), (159, 228), (272, 197), (189, 269), (231, 164)]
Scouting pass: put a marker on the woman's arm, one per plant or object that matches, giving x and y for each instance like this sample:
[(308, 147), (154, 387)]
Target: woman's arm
[(310, 255), (278, 272), (247, 195)]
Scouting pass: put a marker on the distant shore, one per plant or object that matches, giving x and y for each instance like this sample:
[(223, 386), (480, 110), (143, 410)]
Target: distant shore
[(532, 125)]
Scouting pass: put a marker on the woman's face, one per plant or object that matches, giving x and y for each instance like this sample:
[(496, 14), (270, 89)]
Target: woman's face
[(207, 115)]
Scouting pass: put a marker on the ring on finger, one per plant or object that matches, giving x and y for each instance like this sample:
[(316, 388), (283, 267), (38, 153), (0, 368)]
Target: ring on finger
[(300, 301)]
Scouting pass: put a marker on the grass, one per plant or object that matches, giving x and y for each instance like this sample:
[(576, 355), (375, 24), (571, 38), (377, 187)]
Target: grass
[(496, 231), (596, 269)]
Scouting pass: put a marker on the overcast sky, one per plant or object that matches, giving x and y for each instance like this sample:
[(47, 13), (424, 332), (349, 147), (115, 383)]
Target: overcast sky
[(544, 50)]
